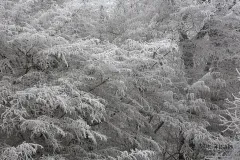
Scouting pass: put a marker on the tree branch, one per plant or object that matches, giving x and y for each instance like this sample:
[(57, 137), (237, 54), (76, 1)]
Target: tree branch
[(30, 49), (117, 34), (159, 126), (150, 119), (161, 58), (171, 155), (20, 51), (203, 31), (183, 36), (233, 4), (103, 82)]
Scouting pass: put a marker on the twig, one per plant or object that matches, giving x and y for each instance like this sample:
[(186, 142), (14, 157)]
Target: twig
[(171, 155), (161, 58), (159, 126), (103, 82)]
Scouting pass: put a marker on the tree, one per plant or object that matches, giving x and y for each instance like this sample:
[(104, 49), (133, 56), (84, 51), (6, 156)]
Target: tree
[(100, 80)]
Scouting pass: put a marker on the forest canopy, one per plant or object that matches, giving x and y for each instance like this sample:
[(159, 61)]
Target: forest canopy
[(119, 79)]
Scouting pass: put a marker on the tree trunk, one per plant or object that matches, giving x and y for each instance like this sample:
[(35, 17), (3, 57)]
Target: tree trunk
[(181, 143)]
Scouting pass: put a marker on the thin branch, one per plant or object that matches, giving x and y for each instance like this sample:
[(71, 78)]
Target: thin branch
[(154, 54), (30, 49), (62, 115), (159, 126), (183, 36), (154, 65), (20, 51), (103, 82), (117, 34), (150, 119), (145, 113), (203, 31), (233, 4), (171, 155), (161, 58), (3, 56), (166, 54)]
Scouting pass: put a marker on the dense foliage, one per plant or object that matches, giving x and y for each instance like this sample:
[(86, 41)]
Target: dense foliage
[(119, 80)]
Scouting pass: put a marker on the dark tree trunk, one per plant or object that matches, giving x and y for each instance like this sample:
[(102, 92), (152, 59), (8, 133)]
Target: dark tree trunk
[(188, 49), (181, 143)]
